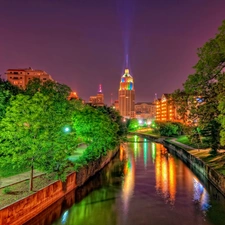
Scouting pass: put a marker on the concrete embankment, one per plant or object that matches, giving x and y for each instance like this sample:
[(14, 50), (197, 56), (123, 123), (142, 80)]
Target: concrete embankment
[(25, 209), (195, 164), (198, 166)]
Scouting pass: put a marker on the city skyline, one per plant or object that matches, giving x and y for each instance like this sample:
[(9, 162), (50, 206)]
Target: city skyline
[(82, 44)]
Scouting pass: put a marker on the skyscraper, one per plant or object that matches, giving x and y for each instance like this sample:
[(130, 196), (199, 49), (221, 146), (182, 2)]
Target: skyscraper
[(127, 96), (97, 100)]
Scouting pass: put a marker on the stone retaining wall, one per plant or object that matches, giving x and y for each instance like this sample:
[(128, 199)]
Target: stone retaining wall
[(199, 166), (26, 208)]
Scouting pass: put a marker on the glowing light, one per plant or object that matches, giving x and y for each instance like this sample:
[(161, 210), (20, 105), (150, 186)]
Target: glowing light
[(66, 129), (145, 153)]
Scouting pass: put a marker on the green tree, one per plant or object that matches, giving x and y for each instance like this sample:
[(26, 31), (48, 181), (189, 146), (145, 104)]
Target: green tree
[(33, 134), (7, 90), (117, 118), (203, 85), (96, 129), (50, 88), (133, 125)]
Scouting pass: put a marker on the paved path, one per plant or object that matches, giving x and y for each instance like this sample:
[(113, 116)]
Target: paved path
[(180, 144), (17, 178), (4, 182)]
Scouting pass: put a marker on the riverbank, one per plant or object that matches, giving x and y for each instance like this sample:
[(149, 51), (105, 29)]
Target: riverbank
[(28, 207), (199, 160)]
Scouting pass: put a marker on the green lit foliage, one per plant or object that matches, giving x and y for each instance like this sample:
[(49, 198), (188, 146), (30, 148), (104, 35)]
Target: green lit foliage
[(97, 130), (205, 83), (181, 100), (7, 90), (115, 117), (133, 125), (50, 88), (168, 128), (32, 134)]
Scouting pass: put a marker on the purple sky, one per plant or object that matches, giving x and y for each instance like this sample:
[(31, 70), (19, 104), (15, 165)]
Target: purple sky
[(84, 42)]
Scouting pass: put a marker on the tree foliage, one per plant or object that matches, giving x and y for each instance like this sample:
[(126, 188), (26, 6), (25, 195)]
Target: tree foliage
[(32, 134), (203, 87), (96, 129), (7, 90), (168, 128)]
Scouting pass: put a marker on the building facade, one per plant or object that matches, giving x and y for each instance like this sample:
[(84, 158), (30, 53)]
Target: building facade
[(21, 77), (97, 100), (166, 110), (145, 110), (127, 96)]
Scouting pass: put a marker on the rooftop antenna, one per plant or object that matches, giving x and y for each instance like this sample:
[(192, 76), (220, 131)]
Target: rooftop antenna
[(111, 98), (100, 88)]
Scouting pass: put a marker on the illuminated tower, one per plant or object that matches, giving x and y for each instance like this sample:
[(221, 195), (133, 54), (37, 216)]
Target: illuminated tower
[(127, 95), (97, 100)]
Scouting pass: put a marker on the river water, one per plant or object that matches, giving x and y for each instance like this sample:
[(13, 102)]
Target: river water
[(143, 185)]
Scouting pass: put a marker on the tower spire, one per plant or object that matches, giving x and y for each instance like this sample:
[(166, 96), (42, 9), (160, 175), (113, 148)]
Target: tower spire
[(100, 88)]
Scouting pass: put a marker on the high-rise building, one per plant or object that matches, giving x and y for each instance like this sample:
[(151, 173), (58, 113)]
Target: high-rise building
[(166, 110), (127, 96), (97, 100), (21, 77), (145, 110)]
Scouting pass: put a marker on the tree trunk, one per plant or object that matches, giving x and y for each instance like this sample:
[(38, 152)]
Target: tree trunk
[(31, 178)]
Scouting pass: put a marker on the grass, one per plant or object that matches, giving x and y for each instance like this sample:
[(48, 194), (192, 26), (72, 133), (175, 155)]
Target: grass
[(8, 170), (185, 140), (217, 162), (9, 195), (79, 151)]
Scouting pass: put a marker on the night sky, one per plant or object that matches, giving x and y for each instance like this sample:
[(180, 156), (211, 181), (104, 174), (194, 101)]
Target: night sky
[(83, 43)]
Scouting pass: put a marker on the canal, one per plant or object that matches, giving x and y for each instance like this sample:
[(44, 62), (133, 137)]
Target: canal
[(143, 185)]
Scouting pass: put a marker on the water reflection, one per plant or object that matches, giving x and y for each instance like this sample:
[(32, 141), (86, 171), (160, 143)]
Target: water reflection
[(134, 188), (165, 175), (129, 181), (201, 196)]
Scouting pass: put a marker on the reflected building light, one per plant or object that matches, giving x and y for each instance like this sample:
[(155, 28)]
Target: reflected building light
[(121, 152), (129, 182), (153, 152), (172, 180), (164, 177), (200, 196), (135, 150), (65, 217), (145, 153), (165, 174)]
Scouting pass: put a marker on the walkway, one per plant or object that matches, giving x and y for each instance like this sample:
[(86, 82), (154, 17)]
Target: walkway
[(180, 144), (4, 182)]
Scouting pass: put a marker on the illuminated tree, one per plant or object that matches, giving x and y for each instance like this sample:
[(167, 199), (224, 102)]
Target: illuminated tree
[(96, 129), (133, 124), (33, 134), (7, 90), (204, 84)]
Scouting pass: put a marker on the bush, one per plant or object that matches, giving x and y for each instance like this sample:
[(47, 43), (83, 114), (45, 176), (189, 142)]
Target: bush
[(6, 190)]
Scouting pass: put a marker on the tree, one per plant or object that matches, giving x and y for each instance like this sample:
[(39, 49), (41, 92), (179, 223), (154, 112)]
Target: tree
[(50, 88), (33, 134), (7, 90), (203, 86), (117, 118), (96, 129), (181, 100), (133, 124)]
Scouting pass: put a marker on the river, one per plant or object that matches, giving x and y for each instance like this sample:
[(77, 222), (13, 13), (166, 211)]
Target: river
[(143, 185)]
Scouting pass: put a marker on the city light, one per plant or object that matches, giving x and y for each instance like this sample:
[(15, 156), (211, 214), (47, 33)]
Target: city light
[(66, 129)]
